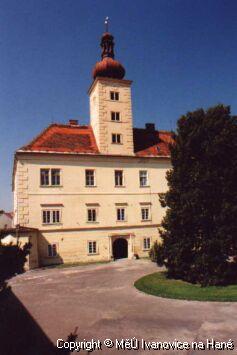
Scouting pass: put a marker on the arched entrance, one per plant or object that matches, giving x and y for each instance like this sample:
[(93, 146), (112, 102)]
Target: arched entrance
[(120, 248)]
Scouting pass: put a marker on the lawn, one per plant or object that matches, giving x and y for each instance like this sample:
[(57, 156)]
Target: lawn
[(158, 285)]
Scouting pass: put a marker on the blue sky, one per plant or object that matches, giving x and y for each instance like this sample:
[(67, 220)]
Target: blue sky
[(180, 54)]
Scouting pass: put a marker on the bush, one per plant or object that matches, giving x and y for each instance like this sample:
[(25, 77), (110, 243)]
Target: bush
[(153, 253), (12, 259), (199, 231)]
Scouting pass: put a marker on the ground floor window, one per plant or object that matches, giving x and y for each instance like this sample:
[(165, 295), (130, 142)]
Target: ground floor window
[(52, 250), (146, 243), (92, 247)]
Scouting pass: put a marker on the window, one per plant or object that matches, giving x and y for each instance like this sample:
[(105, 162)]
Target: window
[(90, 178), (114, 95), (146, 243), (52, 250), (116, 138), (145, 212), (115, 116), (47, 179), (55, 177), (118, 177), (92, 247), (51, 216), (143, 176), (91, 215), (120, 214), (44, 177)]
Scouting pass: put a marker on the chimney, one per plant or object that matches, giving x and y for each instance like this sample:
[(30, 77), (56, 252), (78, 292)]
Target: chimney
[(73, 122), (150, 127)]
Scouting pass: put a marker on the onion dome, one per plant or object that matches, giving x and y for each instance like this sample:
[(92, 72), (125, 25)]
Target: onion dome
[(108, 67)]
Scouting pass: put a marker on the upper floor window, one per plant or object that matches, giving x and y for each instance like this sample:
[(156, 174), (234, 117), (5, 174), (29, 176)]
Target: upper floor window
[(92, 247), (44, 177), (114, 95), (121, 214), (118, 178), (146, 243), (51, 216), (55, 177), (116, 138), (52, 250), (91, 215), (115, 116), (50, 177), (143, 177), (90, 177), (145, 213)]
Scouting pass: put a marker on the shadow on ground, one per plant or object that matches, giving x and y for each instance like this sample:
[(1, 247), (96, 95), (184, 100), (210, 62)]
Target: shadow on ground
[(19, 332)]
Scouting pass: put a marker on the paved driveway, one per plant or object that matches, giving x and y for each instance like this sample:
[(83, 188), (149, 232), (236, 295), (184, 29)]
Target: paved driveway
[(101, 301)]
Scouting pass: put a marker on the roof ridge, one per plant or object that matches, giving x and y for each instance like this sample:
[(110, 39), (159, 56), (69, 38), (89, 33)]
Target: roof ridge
[(156, 130)]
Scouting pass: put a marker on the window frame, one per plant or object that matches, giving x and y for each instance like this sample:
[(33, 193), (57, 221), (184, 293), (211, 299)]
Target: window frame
[(145, 241), (115, 116), (114, 95), (148, 208), (116, 135), (50, 177), (94, 177), (140, 178), (51, 216), (117, 215), (58, 176), (94, 242), (96, 214), (53, 250), (41, 176), (123, 182)]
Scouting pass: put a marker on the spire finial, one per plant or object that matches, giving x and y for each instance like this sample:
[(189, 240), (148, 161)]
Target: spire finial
[(107, 24)]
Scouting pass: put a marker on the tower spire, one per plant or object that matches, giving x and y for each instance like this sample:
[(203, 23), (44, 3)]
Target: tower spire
[(107, 24)]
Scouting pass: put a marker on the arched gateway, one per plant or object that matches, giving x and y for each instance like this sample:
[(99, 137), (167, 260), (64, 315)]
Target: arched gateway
[(120, 248)]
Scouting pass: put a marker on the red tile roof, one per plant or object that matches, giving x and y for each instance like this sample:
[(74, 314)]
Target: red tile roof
[(64, 139), (80, 139)]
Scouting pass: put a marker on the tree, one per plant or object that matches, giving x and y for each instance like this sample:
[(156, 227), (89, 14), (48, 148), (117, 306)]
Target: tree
[(199, 231)]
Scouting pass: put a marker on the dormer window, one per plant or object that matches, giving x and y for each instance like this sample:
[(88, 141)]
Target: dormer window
[(114, 95), (115, 116), (116, 138)]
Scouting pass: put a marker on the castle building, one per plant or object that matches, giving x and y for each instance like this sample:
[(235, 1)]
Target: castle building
[(92, 192)]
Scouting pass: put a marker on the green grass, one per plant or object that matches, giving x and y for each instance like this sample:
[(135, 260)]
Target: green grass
[(66, 265), (158, 285)]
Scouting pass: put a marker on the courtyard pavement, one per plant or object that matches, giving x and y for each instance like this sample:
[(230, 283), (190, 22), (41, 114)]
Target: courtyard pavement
[(101, 302)]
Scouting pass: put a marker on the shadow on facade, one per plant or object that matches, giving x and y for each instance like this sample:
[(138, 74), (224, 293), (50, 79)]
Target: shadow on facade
[(44, 259)]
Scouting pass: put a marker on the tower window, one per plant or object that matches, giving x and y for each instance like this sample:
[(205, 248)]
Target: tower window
[(114, 95), (115, 116), (116, 138)]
